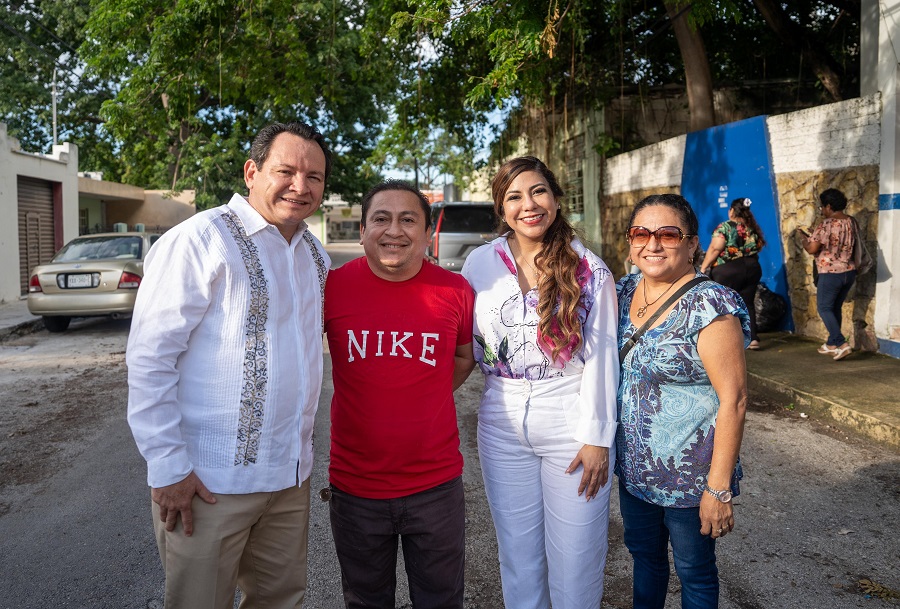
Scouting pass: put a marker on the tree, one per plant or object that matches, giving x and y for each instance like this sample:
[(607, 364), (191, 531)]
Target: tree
[(551, 56), (39, 41), (196, 80), (799, 39), (698, 78)]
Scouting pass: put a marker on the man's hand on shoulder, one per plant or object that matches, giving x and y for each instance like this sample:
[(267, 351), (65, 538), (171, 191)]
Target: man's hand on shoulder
[(176, 498)]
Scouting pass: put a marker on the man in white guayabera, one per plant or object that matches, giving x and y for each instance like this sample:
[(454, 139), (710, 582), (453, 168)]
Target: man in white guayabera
[(224, 374)]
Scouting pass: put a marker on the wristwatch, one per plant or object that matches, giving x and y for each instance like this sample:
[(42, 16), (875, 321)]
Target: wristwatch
[(723, 496)]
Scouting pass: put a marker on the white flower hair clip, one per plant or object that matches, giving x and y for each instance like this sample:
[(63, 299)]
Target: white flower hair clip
[(747, 202)]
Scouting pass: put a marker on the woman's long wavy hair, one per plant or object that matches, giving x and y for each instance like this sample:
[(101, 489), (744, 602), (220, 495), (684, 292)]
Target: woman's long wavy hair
[(559, 326), (741, 210)]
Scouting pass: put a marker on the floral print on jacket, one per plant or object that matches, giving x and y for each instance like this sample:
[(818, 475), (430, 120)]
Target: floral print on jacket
[(507, 340)]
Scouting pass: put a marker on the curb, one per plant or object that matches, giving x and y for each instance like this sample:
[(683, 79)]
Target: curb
[(841, 415), (21, 329)]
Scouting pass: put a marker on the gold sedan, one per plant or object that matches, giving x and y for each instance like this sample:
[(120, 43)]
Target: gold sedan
[(91, 276)]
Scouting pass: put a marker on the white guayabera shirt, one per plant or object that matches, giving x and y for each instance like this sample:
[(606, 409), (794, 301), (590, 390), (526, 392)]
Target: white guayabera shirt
[(225, 353)]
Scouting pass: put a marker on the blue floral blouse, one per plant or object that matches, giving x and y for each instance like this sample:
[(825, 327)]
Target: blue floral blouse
[(667, 405)]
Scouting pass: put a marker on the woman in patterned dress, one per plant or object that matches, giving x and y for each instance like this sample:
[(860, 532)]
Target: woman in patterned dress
[(545, 338), (832, 244), (733, 257), (682, 399)]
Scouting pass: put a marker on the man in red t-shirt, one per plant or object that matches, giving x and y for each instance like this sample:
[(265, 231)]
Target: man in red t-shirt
[(400, 336)]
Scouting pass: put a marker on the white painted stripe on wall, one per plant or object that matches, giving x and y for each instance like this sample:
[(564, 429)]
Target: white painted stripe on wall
[(657, 165), (839, 135)]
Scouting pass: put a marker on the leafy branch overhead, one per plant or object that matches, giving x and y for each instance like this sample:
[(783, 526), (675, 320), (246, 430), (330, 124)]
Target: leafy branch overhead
[(199, 77), (168, 95)]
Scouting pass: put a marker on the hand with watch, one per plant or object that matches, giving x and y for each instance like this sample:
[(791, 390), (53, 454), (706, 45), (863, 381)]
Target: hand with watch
[(723, 496), (716, 512)]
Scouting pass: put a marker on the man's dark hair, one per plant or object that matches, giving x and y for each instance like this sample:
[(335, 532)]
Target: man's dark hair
[(397, 185), (262, 143), (835, 198)]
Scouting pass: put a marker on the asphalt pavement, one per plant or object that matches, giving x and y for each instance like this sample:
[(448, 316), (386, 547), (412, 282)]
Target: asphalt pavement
[(856, 394)]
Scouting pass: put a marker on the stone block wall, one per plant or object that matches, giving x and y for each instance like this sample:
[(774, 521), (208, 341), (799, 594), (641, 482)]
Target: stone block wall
[(798, 199), (617, 210), (831, 146)]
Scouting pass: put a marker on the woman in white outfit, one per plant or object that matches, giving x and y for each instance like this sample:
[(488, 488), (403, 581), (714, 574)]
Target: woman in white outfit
[(545, 338)]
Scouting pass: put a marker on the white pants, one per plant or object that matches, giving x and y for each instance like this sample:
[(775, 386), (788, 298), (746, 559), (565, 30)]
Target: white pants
[(552, 542)]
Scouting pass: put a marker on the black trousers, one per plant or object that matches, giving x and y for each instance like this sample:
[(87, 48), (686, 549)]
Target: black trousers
[(742, 276), (431, 527)]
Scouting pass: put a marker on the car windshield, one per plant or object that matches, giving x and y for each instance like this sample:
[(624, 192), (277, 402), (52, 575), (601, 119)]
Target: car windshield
[(95, 248), (468, 219)]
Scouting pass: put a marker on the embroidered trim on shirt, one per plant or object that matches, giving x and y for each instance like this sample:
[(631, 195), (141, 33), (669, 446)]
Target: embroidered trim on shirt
[(256, 373), (320, 268)]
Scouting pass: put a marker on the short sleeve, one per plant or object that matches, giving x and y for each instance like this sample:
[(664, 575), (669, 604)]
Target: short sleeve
[(467, 298), (711, 300), (820, 234), (722, 231)]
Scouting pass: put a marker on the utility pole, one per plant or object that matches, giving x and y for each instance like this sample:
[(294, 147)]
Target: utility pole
[(54, 106)]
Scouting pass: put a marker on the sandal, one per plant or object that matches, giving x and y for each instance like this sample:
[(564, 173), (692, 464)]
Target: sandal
[(826, 350), (754, 345), (842, 353)]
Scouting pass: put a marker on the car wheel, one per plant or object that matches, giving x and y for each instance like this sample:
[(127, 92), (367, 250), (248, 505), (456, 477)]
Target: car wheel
[(56, 324)]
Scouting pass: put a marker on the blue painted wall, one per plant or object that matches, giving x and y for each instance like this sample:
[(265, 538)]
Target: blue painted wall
[(731, 161)]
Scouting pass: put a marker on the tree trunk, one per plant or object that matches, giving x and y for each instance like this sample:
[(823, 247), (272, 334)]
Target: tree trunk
[(697, 76), (795, 37)]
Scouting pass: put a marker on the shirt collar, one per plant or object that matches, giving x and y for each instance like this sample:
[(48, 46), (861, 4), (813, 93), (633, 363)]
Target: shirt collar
[(252, 220)]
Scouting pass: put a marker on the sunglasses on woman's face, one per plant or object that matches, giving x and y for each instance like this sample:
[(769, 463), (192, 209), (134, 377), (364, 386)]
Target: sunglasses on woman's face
[(667, 236)]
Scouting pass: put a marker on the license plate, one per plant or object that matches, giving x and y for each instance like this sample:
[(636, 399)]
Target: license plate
[(81, 280)]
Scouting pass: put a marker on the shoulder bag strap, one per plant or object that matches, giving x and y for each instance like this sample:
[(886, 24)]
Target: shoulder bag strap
[(634, 338)]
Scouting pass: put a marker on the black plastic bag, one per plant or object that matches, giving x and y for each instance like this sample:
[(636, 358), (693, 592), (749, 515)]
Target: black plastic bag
[(770, 309)]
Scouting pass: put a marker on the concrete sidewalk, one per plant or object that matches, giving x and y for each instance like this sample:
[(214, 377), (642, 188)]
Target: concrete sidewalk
[(860, 393)]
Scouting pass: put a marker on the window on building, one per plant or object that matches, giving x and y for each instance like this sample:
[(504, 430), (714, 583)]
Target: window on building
[(575, 178)]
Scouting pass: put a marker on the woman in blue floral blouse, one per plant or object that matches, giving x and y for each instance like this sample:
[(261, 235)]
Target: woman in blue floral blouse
[(682, 399)]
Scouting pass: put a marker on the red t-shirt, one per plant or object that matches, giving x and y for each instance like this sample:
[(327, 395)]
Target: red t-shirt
[(392, 344)]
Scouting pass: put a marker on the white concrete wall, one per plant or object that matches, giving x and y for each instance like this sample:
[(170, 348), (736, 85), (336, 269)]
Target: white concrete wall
[(59, 166), (657, 165), (844, 134), (162, 209), (887, 287)]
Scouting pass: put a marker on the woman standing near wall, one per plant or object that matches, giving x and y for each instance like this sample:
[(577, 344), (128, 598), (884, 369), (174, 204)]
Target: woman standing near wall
[(832, 244), (733, 257)]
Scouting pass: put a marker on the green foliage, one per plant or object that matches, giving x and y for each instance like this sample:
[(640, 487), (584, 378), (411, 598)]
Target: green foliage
[(549, 56), (37, 37), (169, 94), (199, 78)]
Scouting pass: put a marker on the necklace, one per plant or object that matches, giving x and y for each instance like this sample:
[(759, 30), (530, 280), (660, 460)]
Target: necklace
[(537, 273), (642, 310)]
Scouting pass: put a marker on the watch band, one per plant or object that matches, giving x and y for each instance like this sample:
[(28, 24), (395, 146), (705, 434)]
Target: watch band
[(724, 495)]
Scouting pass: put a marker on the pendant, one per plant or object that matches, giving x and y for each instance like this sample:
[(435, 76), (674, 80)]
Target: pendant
[(641, 311)]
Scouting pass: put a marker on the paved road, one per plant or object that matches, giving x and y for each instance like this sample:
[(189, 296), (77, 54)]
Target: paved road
[(819, 512)]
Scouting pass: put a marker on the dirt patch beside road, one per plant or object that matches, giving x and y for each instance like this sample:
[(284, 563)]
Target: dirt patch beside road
[(55, 391)]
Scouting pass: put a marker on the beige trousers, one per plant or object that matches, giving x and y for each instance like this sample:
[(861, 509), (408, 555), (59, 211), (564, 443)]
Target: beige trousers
[(257, 542)]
